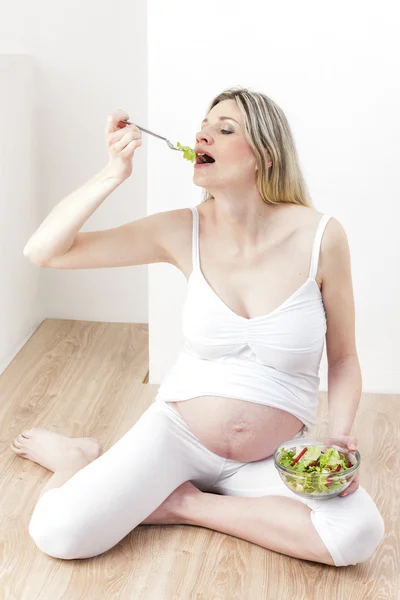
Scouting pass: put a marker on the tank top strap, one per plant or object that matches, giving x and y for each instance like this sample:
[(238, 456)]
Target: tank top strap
[(195, 239), (317, 245)]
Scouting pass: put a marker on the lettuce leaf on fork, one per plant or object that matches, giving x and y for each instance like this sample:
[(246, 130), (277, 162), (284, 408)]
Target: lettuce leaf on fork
[(188, 152)]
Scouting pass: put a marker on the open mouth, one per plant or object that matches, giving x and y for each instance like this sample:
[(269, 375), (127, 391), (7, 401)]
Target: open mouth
[(203, 158)]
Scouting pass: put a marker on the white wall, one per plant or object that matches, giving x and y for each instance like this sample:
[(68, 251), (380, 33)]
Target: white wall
[(20, 309), (92, 60), (334, 71)]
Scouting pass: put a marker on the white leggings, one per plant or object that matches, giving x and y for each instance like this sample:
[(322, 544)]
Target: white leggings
[(103, 502)]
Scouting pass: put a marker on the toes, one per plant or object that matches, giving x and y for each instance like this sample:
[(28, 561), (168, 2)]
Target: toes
[(97, 448), (21, 439), (92, 447), (16, 450)]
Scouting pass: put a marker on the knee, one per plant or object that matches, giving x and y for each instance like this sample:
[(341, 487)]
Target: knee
[(369, 535), (351, 528), (365, 535), (56, 534), (55, 539)]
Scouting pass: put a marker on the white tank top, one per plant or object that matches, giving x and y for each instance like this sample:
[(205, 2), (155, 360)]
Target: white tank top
[(273, 359)]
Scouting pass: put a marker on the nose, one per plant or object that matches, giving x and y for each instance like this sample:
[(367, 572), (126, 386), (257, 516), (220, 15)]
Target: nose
[(203, 137)]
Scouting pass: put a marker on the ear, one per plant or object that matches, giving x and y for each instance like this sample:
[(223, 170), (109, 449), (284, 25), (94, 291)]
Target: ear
[(269, 164), (267, 157)]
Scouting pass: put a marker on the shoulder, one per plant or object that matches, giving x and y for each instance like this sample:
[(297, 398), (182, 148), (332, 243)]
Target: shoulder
[(177, 227), (173, 223), (335, 251), (179, 217), (334, 240), (301, 223), (334, 235)]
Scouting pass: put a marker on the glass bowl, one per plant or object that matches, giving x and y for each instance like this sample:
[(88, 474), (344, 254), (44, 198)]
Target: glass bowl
[(317, 485)]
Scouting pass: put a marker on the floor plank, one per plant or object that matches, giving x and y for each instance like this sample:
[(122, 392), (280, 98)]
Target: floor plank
[(86, 379)]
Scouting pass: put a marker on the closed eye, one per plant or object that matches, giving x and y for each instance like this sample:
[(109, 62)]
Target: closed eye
[(226, 131)]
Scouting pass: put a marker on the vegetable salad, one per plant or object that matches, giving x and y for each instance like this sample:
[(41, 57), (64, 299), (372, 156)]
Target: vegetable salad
[(316, 467)]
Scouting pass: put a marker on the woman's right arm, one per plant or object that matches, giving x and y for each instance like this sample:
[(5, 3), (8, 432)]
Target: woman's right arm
[(58, 244)]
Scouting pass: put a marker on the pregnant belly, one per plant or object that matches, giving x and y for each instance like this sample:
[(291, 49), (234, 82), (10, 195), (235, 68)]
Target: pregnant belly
[(237, 429)]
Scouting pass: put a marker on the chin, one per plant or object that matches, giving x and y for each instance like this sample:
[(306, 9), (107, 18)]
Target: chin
[(207, 185), (197, 177)]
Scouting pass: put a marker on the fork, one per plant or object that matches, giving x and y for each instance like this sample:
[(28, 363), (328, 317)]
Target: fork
[(170, 144)]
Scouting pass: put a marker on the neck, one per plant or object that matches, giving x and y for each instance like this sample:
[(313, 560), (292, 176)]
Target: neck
[(242, 218)]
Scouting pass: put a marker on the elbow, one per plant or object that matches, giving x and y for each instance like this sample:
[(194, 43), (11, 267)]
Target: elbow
[(32, 259), (343, 358), (348, 363)]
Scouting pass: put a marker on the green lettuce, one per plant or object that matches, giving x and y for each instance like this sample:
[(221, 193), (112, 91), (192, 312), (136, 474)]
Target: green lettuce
[(188, 152)]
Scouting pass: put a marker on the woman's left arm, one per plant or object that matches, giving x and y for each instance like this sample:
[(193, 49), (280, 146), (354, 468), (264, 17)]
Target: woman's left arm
[(344, 373)]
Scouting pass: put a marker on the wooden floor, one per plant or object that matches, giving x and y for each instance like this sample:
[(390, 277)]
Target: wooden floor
[(86, 379)]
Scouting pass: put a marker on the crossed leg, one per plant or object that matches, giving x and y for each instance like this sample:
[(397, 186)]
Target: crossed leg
[(250, 501), (94, 499), (86, 513)]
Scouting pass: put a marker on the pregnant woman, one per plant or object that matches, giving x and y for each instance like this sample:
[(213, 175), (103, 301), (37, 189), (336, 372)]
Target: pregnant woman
[(269, 278)]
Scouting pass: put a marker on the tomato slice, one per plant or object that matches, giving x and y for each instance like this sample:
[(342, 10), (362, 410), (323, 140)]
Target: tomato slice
[(298, 457)]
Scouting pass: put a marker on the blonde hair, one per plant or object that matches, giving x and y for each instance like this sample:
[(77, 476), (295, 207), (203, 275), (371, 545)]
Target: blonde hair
[(267, 128)]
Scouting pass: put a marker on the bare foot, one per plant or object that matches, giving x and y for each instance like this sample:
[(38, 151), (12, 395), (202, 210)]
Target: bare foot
[(174, 509), (52, 450)]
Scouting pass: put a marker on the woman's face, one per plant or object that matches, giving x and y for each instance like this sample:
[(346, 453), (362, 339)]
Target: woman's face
[(222, 136)]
